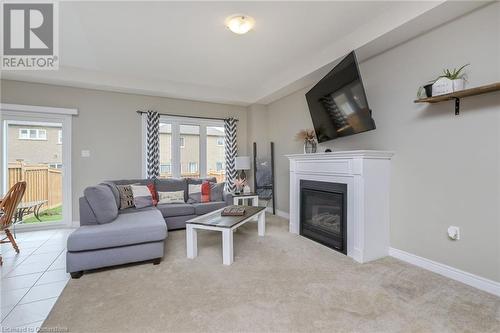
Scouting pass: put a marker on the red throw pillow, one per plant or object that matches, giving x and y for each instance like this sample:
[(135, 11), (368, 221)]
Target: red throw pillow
[(154, 194), (205, 192)]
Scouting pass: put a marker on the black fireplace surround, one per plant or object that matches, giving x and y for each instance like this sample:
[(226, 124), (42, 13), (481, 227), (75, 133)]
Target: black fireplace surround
[(323, 213)]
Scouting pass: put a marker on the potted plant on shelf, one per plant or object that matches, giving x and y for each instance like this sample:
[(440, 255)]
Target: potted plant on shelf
[(425, 90), (451, 81), (309, 138)]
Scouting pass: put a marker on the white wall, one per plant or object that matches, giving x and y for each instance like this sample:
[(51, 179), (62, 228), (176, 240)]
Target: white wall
[(108, 126), (446, 170)]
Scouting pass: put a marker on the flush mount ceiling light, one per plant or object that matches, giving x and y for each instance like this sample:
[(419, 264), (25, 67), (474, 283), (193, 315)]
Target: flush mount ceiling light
[(240, 24)]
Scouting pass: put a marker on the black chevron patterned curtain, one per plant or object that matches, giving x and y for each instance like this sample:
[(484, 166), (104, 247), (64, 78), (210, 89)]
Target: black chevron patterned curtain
[(153, 136), (231, 151)]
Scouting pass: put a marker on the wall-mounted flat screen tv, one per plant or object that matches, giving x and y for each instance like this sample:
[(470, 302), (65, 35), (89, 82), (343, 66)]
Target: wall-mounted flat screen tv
[(338, 104)]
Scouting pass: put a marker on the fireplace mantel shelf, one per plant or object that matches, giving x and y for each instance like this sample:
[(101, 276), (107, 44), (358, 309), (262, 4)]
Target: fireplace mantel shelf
[(367, 176), (371, 154)]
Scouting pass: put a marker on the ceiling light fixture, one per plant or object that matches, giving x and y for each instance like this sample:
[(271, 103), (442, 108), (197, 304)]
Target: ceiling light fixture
[(240, 24)]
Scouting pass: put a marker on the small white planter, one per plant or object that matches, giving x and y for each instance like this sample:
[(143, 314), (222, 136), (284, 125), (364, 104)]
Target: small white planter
[(458, 84), (445, 86)]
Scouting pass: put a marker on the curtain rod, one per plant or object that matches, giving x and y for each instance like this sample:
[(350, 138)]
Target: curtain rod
[(184, 116)]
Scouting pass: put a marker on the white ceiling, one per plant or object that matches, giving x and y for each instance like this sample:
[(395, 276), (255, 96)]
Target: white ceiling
[(183, 50)]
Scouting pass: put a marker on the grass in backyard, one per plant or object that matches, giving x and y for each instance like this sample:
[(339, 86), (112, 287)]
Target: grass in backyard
[(48, 215)]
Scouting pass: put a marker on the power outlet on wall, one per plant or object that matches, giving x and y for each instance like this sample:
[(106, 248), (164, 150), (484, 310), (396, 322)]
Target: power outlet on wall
[(454, 232)]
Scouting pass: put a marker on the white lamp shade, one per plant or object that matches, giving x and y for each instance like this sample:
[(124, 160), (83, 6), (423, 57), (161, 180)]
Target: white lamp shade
[(242, 163)]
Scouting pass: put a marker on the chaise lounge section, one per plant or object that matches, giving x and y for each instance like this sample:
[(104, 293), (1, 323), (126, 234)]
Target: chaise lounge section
[(108, 236)]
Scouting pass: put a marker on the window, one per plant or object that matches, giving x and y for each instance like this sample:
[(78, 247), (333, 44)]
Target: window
[(32, 134), (193, 167), (165, 169), (190, 147), (215, 152), (190, 155), (24, 134), (165, 150), (55, 165), (59, 137)]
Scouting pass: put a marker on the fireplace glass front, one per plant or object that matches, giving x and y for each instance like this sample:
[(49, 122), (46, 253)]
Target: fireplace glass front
[(323, 213)]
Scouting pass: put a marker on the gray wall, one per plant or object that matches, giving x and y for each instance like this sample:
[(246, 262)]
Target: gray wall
[(109, 126), (446, 168)]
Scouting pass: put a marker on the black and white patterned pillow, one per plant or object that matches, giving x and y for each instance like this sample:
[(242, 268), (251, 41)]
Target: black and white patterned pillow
[(126, 196)]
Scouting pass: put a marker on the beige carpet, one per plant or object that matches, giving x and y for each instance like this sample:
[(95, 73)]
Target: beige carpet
[(277, 283)]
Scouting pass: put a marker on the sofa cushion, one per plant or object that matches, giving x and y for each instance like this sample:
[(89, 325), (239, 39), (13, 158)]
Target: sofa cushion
[(131, 181), (115, 191), (127, 229), (135, 210), (207, 207), (217, 191), (171, 185), (178, 222), (201, 180), (180, 209), (102, 202)]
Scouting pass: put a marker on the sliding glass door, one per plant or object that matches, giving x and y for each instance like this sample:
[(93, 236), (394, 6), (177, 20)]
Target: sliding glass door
[(34, 150), (191, 147)]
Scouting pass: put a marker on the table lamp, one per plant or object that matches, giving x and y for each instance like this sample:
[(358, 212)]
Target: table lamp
[(241, 164)]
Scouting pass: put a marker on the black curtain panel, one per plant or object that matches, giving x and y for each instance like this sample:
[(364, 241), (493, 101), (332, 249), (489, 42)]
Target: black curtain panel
[(231, 152), (153, 136)]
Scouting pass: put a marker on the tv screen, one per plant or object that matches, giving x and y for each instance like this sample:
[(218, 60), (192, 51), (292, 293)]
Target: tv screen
[(338, 104)]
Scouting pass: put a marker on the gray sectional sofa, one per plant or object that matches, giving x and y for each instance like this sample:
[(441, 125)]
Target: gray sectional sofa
[(108, 236)]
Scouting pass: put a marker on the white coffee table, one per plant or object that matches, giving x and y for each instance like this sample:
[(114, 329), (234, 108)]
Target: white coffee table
[(225, 224)]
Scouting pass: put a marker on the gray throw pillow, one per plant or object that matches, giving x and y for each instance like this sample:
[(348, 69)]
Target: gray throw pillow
[(194, 193), (142, 196), (102, 202), (217, 191)]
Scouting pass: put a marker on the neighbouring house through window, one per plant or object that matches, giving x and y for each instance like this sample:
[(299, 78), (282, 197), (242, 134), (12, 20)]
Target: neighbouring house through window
[(192, 167), (32, 134), (55, 165), (165, 169)]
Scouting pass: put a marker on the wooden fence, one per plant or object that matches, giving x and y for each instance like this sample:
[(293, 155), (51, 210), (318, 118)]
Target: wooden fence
[(42, 182), (219, 175)]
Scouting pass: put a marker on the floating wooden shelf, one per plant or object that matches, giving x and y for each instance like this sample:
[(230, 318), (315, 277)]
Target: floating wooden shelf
[(460, 94)]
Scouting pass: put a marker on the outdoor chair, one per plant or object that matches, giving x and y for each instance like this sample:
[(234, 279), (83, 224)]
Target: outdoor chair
[(8, 206)]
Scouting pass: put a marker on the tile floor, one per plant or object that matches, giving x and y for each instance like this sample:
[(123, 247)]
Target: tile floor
[(33, 279)]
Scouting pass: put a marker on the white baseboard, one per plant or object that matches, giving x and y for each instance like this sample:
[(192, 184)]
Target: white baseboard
[(470, 279), (282, 214)]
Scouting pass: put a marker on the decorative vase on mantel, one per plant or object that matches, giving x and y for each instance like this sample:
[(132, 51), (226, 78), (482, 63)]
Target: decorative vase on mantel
[(310, 146), (308, 136)]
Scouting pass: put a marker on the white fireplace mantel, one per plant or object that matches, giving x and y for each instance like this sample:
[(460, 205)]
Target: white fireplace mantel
[(367, 176)]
